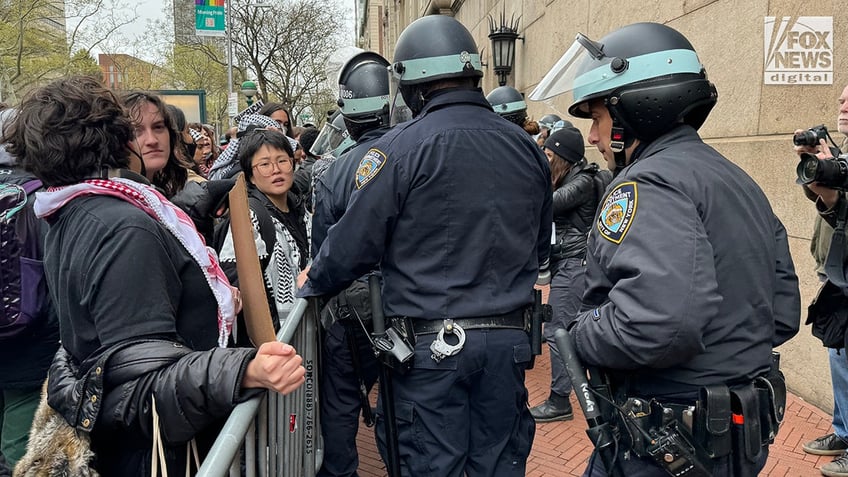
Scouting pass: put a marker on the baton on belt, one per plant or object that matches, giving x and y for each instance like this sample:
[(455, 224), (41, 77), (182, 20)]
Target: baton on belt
[(386, 388), (599, 430)]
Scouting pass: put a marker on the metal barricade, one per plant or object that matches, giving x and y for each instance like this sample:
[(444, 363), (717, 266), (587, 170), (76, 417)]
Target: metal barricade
[(275, 435)]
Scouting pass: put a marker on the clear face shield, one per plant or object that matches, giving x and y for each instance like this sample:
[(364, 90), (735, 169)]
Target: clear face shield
[(399, 111), (561, 78), (328, 139)]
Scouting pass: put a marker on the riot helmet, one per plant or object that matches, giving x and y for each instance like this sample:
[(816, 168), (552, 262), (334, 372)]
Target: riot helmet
[(432, 48), (364, 93), (548, 121), (331, 136), (561, 124), (648, 75), (509, 103)]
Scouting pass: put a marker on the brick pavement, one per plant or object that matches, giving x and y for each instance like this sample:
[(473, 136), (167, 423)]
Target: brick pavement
[(562, 448)]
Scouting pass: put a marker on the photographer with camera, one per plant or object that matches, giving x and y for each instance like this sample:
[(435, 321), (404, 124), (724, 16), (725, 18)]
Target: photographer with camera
[(825, 186)]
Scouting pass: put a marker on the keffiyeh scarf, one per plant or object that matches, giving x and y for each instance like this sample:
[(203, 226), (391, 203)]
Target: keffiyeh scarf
[(170, 216)]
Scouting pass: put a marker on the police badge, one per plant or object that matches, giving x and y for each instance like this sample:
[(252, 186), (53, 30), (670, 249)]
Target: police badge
[(618, 211)]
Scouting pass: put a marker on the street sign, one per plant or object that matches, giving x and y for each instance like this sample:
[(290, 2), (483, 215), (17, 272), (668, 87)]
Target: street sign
[(232, 104), (209, 18)]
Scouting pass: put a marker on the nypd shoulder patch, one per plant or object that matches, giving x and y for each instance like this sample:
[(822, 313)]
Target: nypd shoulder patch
[(618, 211), (369, 167)]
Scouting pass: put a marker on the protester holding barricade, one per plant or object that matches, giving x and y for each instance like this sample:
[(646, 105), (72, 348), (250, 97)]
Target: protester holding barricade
[(278, 216), (143, 306)]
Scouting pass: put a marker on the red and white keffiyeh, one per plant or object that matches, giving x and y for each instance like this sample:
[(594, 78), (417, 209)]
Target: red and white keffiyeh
[(172, 217)]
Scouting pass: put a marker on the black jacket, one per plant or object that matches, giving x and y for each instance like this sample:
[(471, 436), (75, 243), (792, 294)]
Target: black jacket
[(574, 209), (689, 280), (110, 397), (455, 207), (137, 319)]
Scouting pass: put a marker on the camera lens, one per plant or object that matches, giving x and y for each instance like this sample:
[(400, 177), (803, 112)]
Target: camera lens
[(805, 138), (807, 169), (826, 172)]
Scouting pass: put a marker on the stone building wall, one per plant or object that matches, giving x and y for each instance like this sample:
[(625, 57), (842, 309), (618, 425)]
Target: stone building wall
[(752, 123)]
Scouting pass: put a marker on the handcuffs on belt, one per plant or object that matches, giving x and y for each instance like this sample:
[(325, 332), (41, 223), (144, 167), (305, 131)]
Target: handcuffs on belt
[(441, 349)]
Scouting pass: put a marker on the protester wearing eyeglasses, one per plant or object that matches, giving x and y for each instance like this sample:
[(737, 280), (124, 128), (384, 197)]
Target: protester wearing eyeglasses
[(267, 159)]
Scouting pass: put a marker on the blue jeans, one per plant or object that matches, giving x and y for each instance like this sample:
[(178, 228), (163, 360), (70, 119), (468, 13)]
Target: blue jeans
[(567, 286), (839, 378)]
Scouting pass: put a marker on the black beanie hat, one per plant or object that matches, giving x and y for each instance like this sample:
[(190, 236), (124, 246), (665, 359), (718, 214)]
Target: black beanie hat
[(567, 143)]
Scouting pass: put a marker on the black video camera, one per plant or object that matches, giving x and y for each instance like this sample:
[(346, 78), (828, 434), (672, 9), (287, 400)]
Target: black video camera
[(831, 172), (811, 137)]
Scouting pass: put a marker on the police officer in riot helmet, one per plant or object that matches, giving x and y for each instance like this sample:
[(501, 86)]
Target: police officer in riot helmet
[(546, 123), (680, 312), (333, 141), (509, 103), (458, 273), (349, 368)]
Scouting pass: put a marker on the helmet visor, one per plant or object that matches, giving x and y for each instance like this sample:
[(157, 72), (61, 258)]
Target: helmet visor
[(586, 71), (328, 139), (560, 79), (400, 112)]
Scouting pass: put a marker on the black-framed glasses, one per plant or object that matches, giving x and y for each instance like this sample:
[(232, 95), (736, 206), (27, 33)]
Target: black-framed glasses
[(266, 168)]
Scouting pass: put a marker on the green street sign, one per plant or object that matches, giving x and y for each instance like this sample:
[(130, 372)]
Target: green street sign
[(210, 18)]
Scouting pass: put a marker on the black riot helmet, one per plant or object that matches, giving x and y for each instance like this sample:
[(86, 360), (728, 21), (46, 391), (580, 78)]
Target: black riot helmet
[(548, 121), (364, 93), (509, 103), (432, 48), (648, 75)]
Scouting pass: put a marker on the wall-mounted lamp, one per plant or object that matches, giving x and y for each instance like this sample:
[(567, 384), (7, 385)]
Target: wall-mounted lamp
[(503, 38)]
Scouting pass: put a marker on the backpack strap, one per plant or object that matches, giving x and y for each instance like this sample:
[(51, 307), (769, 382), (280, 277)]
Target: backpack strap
[(31, 186)]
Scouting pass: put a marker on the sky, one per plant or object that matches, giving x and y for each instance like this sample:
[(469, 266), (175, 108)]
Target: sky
[(150, 11)]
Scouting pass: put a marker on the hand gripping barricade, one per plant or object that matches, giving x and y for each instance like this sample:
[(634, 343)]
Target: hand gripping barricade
[(683, 439), (270, 434)]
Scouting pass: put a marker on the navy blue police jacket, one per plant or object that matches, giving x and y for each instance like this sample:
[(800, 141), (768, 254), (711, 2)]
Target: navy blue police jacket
[(689, 277), (455, 207), (333, 188)]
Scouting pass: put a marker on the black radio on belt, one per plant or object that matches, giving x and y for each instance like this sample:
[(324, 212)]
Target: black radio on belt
[(671, 451), (397, 353)]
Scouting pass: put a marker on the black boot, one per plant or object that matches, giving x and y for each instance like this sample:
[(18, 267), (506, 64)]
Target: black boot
[(555, 408)]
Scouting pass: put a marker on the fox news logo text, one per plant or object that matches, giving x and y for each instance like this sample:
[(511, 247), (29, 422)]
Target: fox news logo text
[(798, 50)]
